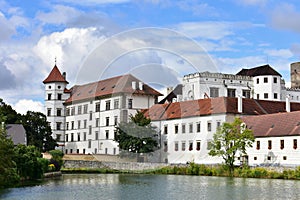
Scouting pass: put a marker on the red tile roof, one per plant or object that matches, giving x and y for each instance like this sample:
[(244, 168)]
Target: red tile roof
[(218, 105), (55, 76), (115, 85), (259, 71), (279, 124)]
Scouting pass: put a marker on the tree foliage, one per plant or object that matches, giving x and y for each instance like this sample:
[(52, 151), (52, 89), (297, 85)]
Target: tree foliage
[(38, 131), (137, 135), (28, 165), (11, 116), (8, 169), (56, 159), (230, 139)]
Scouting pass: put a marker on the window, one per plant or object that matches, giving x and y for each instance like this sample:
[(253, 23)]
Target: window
[(281, 144), (176, 128), (58, 125), (95, 151), (115, 134), (275, 95), (255, 158), (58, 112), (49, 96), (107, 105), (78, 124), (79, 110), (107, 121), (258, 145), (295, 143), (266, 95), (90, 143), (91, 115), (257, 81), (71, 151), (67, 137), (72, 125), (230, 92), (269, 157), (129, 103), (214, 92), (183, 128), (49, 112), (83, 151), (275, 80), (191, 128), (116, 103), (90, 130), (68, 111), (166, 129), (59, 96), (84, 136), (190, 145), (269, 144), (85, 109), (183, 146), (257, 96), (73, 111), (266, 80), (176, 146), (218, 124), (97, 107), (165, 146), (106, 150), (96, 135), (107, 134), (284, 158), (115, 151), (78, 136), (246, 93), (84, 123), (58, 137), (97, 122), (72, 137), (198, 127), (115, 120), (198, 145), (67, 125), (208, 126)]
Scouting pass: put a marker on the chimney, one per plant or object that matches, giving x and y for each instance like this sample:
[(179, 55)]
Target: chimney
[(287, 103), (240, 103), (133, 84), (140, 85), (64, 75)]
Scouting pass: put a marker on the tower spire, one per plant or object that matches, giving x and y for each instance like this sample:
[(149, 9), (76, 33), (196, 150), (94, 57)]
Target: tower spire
[(55, 60)]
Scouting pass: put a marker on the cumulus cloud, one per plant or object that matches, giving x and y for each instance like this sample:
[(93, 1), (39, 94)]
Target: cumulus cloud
[(24, 105), (7, 29), (7, 79), (282, 53), (285, 16)]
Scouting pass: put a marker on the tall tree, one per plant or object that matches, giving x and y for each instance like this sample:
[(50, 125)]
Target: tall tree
[(229, 139), (8, 169), (38, 131), (12, 117), (138, 135)]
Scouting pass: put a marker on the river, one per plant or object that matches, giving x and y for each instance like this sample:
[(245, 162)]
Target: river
[(136, 187)]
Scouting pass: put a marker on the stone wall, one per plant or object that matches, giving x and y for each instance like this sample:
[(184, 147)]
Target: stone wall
[(125, 166)]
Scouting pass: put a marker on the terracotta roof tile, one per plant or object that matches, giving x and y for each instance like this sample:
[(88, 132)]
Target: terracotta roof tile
[(55, 76), (279, 124), (218, 105), (115, 85)]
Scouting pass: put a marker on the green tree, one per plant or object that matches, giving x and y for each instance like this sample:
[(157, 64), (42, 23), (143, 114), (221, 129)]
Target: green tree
[(8, 170), (28, 165), (229, 139), (38, 131), (11, 116), (137, 135)]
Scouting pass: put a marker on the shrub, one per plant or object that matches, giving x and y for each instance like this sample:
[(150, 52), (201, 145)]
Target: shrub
[(44, 164)]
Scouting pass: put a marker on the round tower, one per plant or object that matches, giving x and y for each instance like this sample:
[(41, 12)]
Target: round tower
[(295, 75), (55, 95)]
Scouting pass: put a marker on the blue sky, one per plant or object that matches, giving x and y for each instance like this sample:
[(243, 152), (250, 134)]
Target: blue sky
[(157, 40)]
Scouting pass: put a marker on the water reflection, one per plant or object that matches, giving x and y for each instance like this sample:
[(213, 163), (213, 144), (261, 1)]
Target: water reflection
[(124, 186)]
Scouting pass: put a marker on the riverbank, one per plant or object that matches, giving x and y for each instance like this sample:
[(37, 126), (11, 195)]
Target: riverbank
[(201, 170)]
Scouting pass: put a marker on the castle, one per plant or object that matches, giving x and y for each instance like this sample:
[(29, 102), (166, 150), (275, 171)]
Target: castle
[(83, 118)]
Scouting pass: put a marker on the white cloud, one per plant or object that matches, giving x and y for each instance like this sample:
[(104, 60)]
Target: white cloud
[(282, 53), (253, 2), (285, 16), (24, 105), (94, 2)]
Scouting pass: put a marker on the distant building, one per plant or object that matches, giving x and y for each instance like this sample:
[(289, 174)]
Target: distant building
[(17, 133)]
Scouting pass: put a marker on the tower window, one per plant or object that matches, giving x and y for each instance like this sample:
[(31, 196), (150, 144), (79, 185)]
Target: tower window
[(49, 112), (49, 96), (58, 112), (266, 80), (59, 96)]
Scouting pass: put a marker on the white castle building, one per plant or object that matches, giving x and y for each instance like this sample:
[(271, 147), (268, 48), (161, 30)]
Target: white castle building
[(83, 118)]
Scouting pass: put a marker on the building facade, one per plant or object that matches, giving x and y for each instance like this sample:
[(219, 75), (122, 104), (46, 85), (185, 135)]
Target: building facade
[(83, 118)]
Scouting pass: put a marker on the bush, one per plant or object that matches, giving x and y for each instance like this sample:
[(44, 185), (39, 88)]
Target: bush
[(44, 164), (259, 173)]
